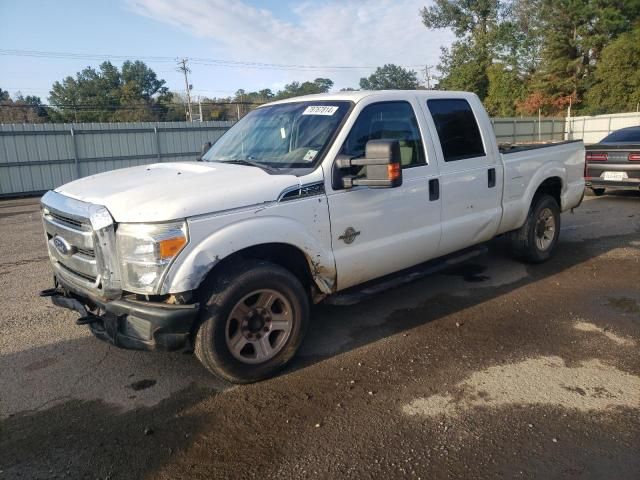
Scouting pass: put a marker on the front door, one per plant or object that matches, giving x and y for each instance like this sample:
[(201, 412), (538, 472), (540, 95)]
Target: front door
[(377, 231)]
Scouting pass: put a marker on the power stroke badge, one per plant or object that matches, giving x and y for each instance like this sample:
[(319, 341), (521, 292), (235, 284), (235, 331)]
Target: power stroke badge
[(349, 235)]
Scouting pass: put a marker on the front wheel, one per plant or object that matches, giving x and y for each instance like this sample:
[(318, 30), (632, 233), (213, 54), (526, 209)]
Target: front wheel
[(536, 240), (253, 321)]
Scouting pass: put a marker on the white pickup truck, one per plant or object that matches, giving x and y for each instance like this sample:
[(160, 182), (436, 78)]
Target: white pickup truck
[(300, 200)]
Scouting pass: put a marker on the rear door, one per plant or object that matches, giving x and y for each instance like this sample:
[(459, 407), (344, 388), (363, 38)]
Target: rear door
[(471, 174), (377, 231)]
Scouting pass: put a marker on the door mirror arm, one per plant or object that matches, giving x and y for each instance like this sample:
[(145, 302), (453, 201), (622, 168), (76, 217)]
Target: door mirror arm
[(382, 162)]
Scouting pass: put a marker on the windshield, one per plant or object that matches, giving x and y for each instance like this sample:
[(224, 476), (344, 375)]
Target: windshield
[(624, 135), (289, 135)]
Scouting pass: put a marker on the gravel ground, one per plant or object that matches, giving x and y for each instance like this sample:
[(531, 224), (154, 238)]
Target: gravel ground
[(492, 369)]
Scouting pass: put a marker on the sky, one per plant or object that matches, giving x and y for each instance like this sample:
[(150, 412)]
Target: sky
[(321, 34)]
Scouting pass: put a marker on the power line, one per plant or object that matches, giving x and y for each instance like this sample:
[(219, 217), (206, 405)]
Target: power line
[(94, 107), (195, 60)]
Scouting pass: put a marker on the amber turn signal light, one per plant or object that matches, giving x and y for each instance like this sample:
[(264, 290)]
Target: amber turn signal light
[(170, 247), (393, 171)]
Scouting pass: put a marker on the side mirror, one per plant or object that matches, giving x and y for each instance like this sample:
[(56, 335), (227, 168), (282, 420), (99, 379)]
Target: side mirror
[(382, 159), (205, 148)]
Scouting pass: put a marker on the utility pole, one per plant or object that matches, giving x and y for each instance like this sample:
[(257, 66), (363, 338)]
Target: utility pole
[(182, 67), (427, 75), (200, 108)]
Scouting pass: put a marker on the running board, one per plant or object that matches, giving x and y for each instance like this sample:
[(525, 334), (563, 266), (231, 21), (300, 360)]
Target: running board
[(356, 294)]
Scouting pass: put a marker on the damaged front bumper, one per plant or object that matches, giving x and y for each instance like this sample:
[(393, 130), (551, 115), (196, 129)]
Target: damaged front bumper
[(130, 324)]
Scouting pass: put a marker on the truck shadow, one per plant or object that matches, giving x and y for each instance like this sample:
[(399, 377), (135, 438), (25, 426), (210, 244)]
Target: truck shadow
[(338, 329)]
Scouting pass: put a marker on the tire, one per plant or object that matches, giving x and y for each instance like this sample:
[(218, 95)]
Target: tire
[(598, 192), (532, 242), (240, 304)]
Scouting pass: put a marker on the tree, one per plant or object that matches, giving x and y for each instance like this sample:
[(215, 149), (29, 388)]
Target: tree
[(505, 89), (390, 77), (475, 23), (21, 109), (463, 70), (107, 94), (295, 89), (576, 32), (617, 76)]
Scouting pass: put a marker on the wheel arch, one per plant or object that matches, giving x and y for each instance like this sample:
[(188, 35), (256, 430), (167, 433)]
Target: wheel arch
[(551, 186), (285, 255), (282, 241)]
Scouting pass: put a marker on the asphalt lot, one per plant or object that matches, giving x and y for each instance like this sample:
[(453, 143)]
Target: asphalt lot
[(492, 369)]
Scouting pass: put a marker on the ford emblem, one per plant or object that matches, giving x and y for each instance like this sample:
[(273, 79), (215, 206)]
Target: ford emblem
[(62, 245)]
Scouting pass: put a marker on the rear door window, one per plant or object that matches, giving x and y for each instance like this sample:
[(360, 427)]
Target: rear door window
[(457, 129)]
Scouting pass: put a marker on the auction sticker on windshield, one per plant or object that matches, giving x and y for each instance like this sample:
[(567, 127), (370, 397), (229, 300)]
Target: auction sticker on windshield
[(320, 110), (310, 155)]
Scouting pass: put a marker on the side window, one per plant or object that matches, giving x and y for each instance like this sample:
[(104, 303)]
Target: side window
[(387, 121), (457, 129)]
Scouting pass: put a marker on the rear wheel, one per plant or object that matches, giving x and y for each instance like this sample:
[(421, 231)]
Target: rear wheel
[(536, 240), (253, 321), (598, 192)]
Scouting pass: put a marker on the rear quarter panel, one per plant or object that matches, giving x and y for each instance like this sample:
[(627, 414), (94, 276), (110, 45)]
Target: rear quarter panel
[(525, 171)]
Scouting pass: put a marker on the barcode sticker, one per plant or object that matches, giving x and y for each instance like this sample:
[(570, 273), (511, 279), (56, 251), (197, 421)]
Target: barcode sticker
[(320, 110), (310, 155)]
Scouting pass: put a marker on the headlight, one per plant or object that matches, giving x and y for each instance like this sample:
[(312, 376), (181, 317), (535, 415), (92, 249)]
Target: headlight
[(145, 252)]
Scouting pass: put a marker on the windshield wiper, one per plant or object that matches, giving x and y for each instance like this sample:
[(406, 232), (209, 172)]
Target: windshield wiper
[(249, 163)]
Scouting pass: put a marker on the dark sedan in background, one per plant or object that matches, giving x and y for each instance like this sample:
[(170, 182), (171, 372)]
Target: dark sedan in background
[(614, 162)]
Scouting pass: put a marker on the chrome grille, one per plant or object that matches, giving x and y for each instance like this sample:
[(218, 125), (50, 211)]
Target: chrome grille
[(69, 221), (70, 240)]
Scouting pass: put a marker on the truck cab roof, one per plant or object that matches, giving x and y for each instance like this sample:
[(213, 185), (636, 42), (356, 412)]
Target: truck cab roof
[(358, 95)]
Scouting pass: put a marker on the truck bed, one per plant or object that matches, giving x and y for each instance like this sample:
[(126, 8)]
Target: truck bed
[(507, 148)]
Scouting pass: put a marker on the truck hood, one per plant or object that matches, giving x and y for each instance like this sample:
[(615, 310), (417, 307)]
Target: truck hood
[(169, 191)]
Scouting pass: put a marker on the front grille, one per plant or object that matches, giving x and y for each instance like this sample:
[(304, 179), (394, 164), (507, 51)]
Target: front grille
[(71, 246), (77, 257), (78, 274), (69, 221), (87, 252)]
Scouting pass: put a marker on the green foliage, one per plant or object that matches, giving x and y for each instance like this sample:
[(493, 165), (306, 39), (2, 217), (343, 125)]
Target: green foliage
[(296, 89), (464, 69), (390, 77), (505, 90), (617, 76), (475, 23), (550, 50), (21, 109), (108, 94)]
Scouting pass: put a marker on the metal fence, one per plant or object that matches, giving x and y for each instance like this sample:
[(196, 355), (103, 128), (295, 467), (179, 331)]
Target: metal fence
[(35, 158), (528, 129), (38, 157), (594, 129)]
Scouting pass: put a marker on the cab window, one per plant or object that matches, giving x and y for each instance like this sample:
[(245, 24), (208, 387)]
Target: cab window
[(387, 121), (457, 129)]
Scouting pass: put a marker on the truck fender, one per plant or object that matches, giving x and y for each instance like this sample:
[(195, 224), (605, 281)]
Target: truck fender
[(192, 266), (516, 211)]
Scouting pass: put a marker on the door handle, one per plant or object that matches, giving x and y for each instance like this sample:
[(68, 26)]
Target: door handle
[(492, 177), (434, 189)]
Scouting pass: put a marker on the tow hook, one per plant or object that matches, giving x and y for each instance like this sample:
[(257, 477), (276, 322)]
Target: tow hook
[(50, 292), (88, 319)]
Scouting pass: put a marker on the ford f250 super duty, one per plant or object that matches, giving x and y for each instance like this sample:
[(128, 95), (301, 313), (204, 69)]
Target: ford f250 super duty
[(300, 200)]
